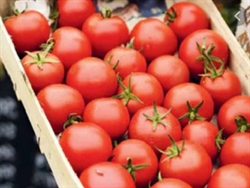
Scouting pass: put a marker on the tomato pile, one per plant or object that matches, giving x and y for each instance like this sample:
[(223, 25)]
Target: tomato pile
[(134, 108)]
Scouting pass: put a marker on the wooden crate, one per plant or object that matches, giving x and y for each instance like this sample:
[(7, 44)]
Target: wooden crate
[(48, 143)]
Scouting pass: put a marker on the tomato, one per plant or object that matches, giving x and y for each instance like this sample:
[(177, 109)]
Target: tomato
[(139, 158), (153, 124), (74, 14), (153, 38), (171, 182), (108, 113), (93, 78), (58, 102), (139, 90), (183, 25), (189, 163), (71, 45), (169, 71), (236, 109), (28, 30), (105, 32), (203, 133), (106, 175), (230, 176), (200, 107), (85, 144), (189, 52)]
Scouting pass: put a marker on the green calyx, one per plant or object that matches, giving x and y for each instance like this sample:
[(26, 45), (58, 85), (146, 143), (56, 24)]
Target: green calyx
[(171, 16), (108, 62), (242, 124), (219, 141), (130, 44), (72, 119), (107, 13)]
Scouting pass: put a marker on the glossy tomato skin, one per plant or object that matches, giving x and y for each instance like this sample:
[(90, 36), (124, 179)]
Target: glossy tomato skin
[(236, 149), (184, 25), (238, 105), (230, 176), (105, 33), (193, 165), (74, 14), (129, 60), (153, 38), (108, 113), (85, 144), (71, 45), (93, 78), (177, 97), (22, 27), (58, 102), (141, 154), (169, 71), (171, 182), (106, 175)]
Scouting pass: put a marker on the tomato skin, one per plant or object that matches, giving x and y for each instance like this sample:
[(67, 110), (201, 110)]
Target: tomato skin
[(22, 27), (105, 33), (171, 182), (184, 25), (108, 113), (192, 160), (169, 71), (57, 107), (93, 78), (141, 154), (71, 45), (236, 149), (74, 14), (153, 38), (85, 144), (230, 176), (238, 105), (106, 175)]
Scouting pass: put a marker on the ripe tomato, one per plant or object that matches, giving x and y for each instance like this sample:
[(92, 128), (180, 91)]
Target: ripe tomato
[(74, 14), (169, 71), (106, 175), (108, 113), (201, 103), (183, 25), (105, 32), (235, 110), (189, 163), (139, 158), (203, 133), (71, 45), (28, 30), (236, 149), (230, 176), (153, 38), (153, 124), (171, 182), (58, 102), (85, 144), (93, 78)]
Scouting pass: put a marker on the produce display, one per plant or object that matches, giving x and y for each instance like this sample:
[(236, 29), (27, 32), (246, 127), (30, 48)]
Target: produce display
[(152, 106)]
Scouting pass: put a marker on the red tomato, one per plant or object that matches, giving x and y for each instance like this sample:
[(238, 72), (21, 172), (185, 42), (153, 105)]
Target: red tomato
[(171, 183), (139, 90), (85, 144), (183, 25), (153, 38), (153, 124), (108, 113), (74, 14), (71, 45), (58, 102), (178, 96), (28, 30), (191, 164), (235, 109), (93, 78), (138, 157), (106, 175), (230, 176), (105, 32), (169, 71), (203, 133)]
